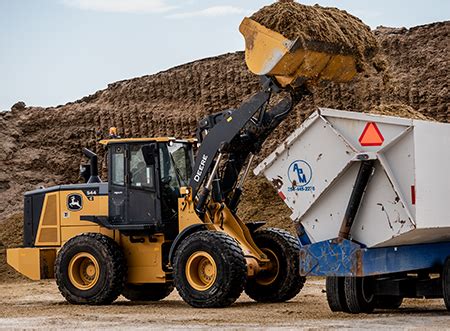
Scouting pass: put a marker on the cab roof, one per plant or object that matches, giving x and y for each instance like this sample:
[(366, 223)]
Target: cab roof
[(142, 140)]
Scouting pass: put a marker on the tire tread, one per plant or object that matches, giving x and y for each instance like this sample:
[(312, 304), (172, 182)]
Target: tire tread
[(336, 294), (353, 295), (293, 283)]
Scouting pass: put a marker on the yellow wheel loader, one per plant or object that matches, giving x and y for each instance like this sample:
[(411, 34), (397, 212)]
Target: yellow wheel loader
[(167, 219)]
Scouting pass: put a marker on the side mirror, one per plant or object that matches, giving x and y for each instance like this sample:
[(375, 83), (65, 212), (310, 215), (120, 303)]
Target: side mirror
[(149, 152)]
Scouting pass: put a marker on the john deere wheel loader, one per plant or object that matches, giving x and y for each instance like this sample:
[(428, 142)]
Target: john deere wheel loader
[(165, 219)]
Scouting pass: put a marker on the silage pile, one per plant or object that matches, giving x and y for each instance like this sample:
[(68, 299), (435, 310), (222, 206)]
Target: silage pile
[(399, 110), (320, 28), (10, 236)]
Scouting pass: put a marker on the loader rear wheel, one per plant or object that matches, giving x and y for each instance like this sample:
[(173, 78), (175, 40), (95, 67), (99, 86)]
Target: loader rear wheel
[(90, 269), (147, 292), (446, 283), (209, 269), (282, 280), (359, 294), (336, 294)]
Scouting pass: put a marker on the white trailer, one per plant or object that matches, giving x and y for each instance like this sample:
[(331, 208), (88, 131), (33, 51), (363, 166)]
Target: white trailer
[(369, 194)]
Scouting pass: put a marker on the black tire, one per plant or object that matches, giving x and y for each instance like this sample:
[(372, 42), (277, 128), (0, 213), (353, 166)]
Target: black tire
[(388, 301), (359, 294), (446, 283), (284, 284), (335, 288), (107, 285), (230, 274), (147, 292)]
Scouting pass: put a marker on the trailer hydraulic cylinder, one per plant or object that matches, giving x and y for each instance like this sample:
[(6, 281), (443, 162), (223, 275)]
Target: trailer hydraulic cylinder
[(362, 179)]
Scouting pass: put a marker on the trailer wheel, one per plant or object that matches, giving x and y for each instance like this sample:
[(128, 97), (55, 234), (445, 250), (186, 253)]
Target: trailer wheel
[(446, 283), (359, 294), (90, 269), (336, 294), (282, 281), (147, 292), (209, 269), (388, 301)]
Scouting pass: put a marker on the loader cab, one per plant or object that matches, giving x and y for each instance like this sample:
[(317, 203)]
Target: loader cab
[(145, 176)]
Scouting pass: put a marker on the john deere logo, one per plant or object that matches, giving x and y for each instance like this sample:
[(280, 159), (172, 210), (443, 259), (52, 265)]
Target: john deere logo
[(300, 175), (74, 202)]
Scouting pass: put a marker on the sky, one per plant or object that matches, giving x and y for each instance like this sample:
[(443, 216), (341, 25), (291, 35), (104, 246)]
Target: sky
[(56, 51)]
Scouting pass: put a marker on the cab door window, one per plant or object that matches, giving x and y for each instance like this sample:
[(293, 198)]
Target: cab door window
[(118, 166), (141, 174)]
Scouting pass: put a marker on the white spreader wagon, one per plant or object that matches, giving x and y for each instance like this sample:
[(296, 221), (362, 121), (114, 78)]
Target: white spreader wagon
[(371, 197)]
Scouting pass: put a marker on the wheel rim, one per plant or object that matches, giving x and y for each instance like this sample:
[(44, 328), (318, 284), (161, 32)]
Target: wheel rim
[(84, 271), (201, 271), (267, 276)]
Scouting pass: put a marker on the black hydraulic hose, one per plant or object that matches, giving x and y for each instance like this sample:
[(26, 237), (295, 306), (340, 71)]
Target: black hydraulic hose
[(201, 202), (217, 195), (234, 202)]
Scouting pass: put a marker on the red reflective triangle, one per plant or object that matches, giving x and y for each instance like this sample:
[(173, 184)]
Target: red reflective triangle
[(371, 136)]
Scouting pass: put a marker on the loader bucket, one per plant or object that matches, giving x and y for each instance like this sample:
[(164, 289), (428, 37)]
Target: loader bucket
[(269, 53)]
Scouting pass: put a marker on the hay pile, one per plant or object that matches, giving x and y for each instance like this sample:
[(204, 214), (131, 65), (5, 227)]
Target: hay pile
[(320, 28)]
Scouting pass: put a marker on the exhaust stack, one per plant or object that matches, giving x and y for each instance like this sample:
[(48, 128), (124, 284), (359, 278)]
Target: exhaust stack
[(93, 166)]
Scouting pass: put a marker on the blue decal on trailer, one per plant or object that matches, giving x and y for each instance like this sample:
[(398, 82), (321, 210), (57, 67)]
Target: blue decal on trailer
[(300, 175)]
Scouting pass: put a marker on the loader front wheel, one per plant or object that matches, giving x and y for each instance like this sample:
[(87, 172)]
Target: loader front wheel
[(446, 283), (90, 269), (147, 292), (209, 269), (281, 281)]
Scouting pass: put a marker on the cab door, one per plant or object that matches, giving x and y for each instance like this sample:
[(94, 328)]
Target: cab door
[(143, 208)]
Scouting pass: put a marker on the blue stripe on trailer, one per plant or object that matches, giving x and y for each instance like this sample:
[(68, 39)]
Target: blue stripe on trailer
[(341, 257)]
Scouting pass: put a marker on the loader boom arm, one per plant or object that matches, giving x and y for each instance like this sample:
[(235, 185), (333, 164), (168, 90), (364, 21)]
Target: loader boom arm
[(237, 134)]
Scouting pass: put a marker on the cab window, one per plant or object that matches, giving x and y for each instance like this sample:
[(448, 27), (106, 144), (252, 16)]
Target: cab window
[(175, 170), (175, 163), (141, 174), (118, 166)]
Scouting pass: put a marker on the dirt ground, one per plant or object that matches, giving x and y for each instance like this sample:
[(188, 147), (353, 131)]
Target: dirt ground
[(38, 305)]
